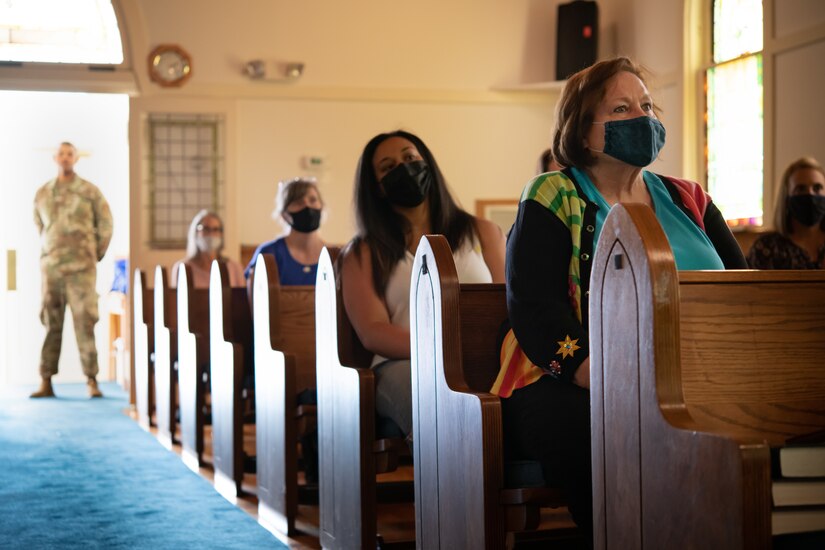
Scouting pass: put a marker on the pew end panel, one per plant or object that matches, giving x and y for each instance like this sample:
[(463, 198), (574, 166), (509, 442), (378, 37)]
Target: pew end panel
[(275, 403), (461, 495), (166, 351), (457, 432), (284, 327), (682, 409), (193, 360), (345, 437), (229, 336), (144, 346)]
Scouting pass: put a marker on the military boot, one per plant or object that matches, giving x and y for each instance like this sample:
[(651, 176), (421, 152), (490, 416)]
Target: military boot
[(45, 389), (94, 391)]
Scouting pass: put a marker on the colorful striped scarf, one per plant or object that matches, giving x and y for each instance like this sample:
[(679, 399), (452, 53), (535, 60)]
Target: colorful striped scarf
[(556, 192)]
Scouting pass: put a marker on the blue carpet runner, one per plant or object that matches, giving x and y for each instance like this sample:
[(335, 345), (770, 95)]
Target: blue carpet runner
[(79, 473)]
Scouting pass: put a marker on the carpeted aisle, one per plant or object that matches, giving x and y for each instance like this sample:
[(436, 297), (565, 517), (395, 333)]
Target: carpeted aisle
[(77, 473)]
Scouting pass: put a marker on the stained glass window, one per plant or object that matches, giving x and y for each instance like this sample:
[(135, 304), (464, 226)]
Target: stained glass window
[(59, 31), (737, 28), (734, 118)]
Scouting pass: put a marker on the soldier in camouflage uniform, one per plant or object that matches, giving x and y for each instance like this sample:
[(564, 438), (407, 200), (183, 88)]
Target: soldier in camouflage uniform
[(75, 226)]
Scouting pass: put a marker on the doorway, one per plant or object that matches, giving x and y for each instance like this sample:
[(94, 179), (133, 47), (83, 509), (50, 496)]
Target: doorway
[(32, 125)]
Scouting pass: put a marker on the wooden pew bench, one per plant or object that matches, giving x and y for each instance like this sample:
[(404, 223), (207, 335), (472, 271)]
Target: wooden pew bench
[(230, 362), (144, 348), (694, 376), (350, 454), (284, 342), (193, 362), (461, 495), (166, 357)]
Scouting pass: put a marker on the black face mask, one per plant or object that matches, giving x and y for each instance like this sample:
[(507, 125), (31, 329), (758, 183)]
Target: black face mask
[(407, 184), (807, 209), (306, 220)]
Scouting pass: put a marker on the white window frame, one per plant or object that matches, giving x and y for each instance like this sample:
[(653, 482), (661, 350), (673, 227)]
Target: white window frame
[(75, 77)]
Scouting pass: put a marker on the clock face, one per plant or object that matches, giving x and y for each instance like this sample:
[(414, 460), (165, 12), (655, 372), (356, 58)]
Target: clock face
[(169, 65)]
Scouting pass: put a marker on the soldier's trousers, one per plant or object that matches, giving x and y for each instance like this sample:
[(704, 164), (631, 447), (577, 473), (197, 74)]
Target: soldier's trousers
[(77, 290)]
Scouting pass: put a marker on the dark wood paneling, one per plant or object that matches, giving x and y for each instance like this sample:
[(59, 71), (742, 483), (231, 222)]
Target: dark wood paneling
[(166, 356), (193, 362)]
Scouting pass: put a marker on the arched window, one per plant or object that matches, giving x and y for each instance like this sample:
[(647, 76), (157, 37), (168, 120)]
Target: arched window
[(734, 119), (60, 31)]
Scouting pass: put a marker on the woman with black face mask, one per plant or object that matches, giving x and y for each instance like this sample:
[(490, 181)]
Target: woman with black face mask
[(298, 208), (799, 220), (401, 195)]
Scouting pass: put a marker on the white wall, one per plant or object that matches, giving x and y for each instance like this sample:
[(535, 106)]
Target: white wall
[(434, 68), (437, 69), (798, 113), (485, 151), (431, 44)]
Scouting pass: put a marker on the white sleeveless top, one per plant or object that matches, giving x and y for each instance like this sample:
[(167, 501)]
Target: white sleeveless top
[(469, 264)]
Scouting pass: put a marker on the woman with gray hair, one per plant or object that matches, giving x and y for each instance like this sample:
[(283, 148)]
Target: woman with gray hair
[(204, 243)]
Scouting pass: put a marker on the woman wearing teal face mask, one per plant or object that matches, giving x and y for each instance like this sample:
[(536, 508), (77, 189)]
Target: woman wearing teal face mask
[(607, 132), (799, 220)]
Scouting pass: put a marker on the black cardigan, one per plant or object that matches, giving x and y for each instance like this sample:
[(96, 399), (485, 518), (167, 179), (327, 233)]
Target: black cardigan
[(539, 247)]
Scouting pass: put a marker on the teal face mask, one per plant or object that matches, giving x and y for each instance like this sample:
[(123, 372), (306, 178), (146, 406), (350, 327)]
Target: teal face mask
[(636, 141)]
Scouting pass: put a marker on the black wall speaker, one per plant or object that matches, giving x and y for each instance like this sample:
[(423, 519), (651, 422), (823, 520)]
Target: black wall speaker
[(577, 37)]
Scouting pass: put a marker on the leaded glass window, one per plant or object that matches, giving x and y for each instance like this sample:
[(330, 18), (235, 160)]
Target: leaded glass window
[(185, 173)]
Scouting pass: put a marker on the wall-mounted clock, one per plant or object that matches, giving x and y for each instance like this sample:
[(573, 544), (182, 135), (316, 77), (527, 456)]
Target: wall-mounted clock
[(170, 65)]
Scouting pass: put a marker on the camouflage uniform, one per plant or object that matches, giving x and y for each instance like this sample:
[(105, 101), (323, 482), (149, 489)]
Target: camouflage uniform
[(75, 225)]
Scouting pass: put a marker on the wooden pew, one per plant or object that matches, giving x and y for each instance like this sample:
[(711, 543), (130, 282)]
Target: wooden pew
[(166, 356), (284, 343), (230, 337), (460, 493), (247, 251), (694, 375), (193, 360), (349, 454), (144, 345)]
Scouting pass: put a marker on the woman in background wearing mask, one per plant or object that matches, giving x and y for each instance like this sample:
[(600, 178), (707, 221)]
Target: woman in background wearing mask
[(298, 207), (607, 132), (204, 243), (401, 195), (547, 162), (799, 219)]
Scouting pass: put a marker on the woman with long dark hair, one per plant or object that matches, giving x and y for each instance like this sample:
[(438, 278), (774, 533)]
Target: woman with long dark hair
[(401, 195)]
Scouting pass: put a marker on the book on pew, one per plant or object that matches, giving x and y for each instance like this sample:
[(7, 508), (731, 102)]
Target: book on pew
[(798, 487), (801, 519), (797, 460), (798, 492)]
